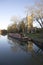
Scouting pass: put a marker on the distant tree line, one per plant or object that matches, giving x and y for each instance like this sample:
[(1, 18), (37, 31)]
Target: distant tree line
[(3, 32)]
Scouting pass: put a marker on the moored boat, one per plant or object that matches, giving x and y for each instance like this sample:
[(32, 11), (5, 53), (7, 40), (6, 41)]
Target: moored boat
[(18, 37)]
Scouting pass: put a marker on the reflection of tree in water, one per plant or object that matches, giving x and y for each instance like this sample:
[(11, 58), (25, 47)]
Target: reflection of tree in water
[(22, 45), (17, 45), (30, 46)]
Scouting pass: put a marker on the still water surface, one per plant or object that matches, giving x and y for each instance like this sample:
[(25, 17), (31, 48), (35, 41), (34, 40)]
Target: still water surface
[(13, 52)]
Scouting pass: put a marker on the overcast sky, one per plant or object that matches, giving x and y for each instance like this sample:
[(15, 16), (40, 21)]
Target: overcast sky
[(9, 8)]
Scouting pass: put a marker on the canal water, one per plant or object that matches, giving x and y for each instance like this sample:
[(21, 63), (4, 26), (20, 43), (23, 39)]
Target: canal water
[(13, 52)]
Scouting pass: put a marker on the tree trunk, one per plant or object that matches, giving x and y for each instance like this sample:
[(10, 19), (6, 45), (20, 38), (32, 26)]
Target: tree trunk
[(39, 23)]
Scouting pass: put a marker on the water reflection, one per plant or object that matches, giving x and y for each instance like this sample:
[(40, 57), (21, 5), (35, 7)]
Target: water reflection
[(14, 52), (29, 47)]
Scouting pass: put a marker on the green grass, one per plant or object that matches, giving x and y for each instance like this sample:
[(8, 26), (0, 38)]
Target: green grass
[(36, 36)]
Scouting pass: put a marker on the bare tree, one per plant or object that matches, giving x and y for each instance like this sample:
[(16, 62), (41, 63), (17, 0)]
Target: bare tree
[(37, 12)]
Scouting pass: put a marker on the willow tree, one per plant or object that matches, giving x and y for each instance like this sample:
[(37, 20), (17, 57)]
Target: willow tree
[(37, 12)]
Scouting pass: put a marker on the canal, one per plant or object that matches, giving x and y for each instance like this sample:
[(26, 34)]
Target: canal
[(13, 52)]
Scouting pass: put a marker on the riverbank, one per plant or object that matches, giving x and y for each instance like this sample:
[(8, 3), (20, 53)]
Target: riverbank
[(36, 36)]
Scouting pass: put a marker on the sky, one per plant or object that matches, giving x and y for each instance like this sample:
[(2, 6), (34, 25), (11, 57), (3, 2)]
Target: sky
[(9, 8)]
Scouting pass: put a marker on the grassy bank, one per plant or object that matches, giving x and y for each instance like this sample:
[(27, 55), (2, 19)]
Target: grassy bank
[(36, 36)]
